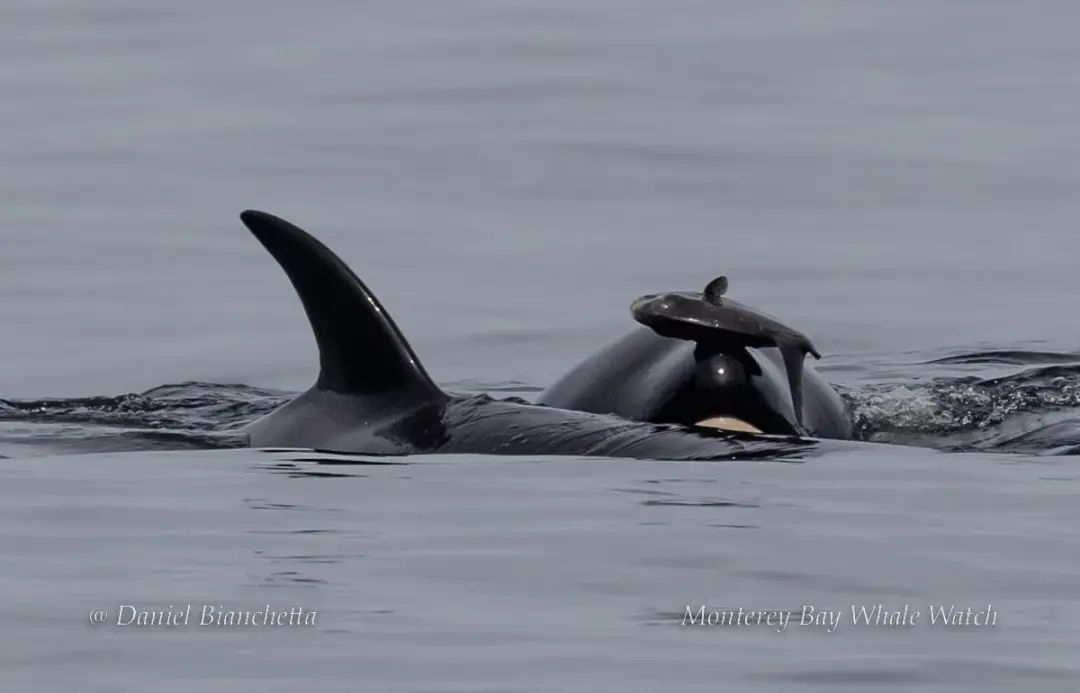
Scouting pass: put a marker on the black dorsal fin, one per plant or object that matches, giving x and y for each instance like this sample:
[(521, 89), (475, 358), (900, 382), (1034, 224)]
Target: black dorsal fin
[(361, 350)]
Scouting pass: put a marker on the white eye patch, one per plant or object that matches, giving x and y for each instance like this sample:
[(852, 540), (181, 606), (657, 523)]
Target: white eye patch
[(728, 423)]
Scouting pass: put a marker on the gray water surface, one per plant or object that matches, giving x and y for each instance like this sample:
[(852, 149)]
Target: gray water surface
[(897, 180), (468, 574)]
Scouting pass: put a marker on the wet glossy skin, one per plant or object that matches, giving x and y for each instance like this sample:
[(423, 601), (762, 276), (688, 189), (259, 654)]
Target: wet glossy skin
[(647, 377), (374, 397), (482, 425)]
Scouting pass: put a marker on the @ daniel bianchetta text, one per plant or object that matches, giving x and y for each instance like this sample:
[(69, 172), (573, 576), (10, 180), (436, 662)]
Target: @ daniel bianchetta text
[(203, 615)]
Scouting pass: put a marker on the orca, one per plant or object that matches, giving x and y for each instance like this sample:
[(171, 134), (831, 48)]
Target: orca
[(373, 396), (704, 359)]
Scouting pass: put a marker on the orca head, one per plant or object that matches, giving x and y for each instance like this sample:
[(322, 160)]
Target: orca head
[(730, 367), (734, 388), (645, 376)]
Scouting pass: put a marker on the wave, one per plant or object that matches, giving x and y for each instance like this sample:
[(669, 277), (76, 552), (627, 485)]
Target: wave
[(191, 415), (1033, 408)]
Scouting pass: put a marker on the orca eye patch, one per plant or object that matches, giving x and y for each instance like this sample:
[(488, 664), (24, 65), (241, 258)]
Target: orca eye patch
[(728, 423)]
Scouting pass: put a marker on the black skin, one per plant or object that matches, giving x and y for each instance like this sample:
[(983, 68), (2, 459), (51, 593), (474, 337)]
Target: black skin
[(720, 324), (373, 396), (649, 377)]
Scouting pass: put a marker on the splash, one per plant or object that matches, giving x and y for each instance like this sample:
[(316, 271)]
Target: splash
[(1031, 408), (189, 415), (1019, 401)]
